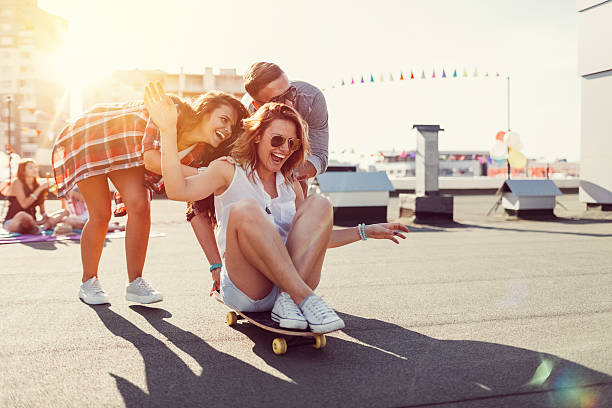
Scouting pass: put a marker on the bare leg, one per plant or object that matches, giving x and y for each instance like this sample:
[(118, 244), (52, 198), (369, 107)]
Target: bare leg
[(136, 199), (22, 223), (256, 257), (74, 221), (308, 238), (55, 218), (97, 197)]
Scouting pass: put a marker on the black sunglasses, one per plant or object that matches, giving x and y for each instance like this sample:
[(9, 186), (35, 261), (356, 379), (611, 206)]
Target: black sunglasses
[(294, 143), (289, 95)]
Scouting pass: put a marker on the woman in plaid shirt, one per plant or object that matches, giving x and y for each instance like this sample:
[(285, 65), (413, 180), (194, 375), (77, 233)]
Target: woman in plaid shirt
[(120, 142)]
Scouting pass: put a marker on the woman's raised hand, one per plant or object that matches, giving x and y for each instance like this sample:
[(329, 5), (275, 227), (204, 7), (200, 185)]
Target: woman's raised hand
[(160, 107), (386, 231)]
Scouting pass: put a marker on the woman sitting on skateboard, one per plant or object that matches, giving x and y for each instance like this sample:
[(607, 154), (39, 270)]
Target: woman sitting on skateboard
[(273, 240)]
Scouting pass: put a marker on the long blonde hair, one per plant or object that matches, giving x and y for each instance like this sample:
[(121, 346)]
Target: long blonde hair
[(244, 149)]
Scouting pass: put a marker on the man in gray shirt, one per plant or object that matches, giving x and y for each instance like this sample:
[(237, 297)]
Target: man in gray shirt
[(266, 82)]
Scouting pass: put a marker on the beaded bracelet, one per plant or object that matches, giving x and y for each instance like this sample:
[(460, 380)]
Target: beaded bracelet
[(361, 230), (215, 266)]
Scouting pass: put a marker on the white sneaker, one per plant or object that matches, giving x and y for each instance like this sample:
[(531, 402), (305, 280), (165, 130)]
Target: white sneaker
[(139, 290), (321, 318), (91, 292), (286, 313)]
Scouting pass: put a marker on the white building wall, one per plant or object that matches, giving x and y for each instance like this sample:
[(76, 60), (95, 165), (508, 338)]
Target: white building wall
[(595, 69)]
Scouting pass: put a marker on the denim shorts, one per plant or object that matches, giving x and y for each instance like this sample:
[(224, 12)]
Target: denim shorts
[(236, 299), (6, 223)]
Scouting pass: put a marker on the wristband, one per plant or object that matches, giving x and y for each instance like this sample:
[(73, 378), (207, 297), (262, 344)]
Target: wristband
[(215, 266), (35, 197), (363, 231)]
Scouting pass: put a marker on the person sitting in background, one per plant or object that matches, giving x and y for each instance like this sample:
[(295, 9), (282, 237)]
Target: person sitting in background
[(25, 194), (74, 214)]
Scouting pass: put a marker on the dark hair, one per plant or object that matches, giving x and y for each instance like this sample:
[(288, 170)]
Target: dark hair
[(259, 75), (21, 176), (192, 112), (245, 149)]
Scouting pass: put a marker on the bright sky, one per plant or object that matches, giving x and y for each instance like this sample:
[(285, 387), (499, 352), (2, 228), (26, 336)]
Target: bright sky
[(323, 42)]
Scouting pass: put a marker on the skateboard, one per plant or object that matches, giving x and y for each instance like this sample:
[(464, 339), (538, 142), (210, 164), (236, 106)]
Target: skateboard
[(264, 321)]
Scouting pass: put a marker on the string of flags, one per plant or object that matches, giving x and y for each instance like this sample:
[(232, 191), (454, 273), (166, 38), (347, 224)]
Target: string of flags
[(406, 76)]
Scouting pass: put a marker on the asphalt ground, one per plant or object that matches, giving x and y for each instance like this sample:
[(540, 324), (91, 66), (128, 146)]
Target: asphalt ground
[(488, 312)]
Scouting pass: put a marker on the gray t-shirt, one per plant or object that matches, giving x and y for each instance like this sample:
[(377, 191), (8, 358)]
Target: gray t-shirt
[(310, 103)]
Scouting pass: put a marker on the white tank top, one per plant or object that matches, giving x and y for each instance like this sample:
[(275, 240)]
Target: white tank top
[(280, 210)]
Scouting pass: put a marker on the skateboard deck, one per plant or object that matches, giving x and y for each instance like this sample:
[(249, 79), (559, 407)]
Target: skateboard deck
[(265, 322)]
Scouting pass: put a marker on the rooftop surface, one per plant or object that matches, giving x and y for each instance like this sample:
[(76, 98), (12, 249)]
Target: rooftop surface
[(489, 312)]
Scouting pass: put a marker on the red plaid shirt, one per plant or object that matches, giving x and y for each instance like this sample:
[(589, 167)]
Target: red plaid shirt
[(110, 137)]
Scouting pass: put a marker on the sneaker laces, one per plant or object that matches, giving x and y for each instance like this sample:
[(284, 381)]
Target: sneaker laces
[(288, 304), (96, 287), (321, 309), (144, 285)]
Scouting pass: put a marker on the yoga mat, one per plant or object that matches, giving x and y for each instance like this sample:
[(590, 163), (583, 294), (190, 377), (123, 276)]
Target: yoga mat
[(11, 238)]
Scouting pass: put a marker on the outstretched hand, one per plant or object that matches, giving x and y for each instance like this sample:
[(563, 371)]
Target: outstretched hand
[(387, 230), (160, 107), (216, 277)]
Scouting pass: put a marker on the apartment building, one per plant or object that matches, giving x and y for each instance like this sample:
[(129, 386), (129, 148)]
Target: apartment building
[(29, 39)]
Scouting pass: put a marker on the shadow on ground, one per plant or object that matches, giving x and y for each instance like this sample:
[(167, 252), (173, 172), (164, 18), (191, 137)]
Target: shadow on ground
[(52, 245), (444, 227), (382, 365)]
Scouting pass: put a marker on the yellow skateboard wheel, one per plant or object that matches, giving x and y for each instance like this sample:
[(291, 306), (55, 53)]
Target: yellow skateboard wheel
[(279, 346), (320, 341), (231, 318)]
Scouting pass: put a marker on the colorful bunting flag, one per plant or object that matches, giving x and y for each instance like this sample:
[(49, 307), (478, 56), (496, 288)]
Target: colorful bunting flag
[(391, 78)]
